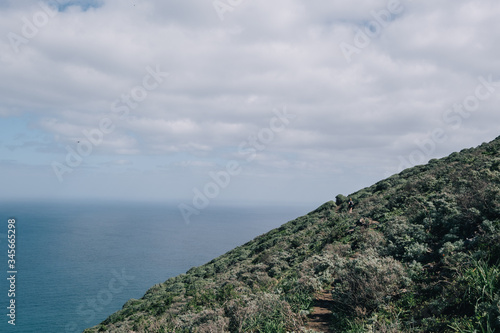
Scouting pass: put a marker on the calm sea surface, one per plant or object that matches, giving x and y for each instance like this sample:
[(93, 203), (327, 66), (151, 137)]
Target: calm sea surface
[(79, 262)]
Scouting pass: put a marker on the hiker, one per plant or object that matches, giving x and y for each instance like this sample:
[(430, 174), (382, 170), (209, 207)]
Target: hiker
[(350, 205)]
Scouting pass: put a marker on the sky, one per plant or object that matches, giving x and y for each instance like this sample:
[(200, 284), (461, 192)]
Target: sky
[(207, 102)]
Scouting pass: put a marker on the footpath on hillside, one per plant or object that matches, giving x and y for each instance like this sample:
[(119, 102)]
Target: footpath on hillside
[(320, 318)]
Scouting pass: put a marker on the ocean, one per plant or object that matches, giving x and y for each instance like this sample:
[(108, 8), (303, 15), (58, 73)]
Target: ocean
[(78, 262)]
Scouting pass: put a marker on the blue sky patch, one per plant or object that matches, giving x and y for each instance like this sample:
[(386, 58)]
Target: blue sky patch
[(83, 4)]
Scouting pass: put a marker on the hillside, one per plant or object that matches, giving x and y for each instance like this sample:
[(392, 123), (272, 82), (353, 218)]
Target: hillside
[(419, 253)]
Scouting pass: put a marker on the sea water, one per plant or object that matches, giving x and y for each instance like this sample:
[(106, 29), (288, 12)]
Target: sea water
[(79, 262)]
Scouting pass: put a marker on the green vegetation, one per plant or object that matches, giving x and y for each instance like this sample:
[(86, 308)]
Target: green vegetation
[(420, 253)]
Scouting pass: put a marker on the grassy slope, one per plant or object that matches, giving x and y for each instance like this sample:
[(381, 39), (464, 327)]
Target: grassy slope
[(420, 253)]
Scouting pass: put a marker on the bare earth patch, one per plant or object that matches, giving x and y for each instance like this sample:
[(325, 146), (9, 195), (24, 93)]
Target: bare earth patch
[(319, 319)]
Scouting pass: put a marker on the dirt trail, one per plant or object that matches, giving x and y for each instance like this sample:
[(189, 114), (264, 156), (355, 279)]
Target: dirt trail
[(319, 319)]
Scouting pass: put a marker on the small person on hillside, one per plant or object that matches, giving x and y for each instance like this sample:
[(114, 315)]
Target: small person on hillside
[(350, 205)]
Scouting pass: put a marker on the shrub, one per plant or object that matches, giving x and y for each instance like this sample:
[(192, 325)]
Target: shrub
[(366, 238), (405, 240), (264, 313), (415, 251), (482, 284), (340, 199), (367, 282), (298, 293)]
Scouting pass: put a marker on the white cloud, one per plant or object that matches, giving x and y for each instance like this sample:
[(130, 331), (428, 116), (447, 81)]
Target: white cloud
[(227, 76)]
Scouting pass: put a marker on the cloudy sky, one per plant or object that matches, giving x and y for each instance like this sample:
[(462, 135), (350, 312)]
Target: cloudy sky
[(276, 101)]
